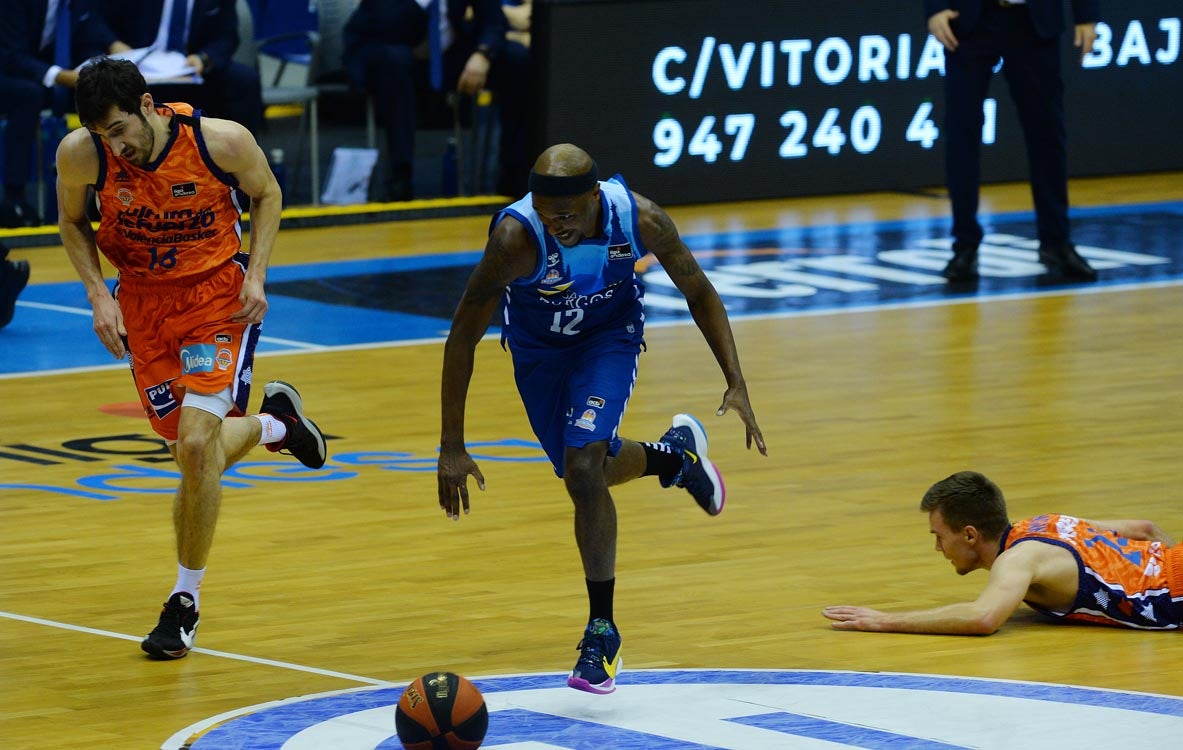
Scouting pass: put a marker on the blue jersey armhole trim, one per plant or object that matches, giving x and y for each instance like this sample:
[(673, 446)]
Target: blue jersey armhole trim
[(199, 137), (102, 177), (539, 245), (1080, 577), (642, 251)]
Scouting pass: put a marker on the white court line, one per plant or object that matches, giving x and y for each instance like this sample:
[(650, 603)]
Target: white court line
[(207, 651)]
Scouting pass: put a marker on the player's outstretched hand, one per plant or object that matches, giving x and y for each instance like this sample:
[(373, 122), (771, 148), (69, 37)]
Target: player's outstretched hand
[(453, 471), (846, 617), (736, 399)]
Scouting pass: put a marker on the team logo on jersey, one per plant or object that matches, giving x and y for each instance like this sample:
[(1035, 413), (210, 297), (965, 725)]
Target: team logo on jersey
[(185, 190), (587, 421), (161, 399), (556, 290), (225, 359), (552, 277), (595, 401), (620, 252), (125, 196)]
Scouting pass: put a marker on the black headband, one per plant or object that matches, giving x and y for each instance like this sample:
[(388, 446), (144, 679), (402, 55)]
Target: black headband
[(556, 186)]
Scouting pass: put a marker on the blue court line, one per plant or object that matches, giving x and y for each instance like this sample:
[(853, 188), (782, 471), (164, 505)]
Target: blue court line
[(843, 734)]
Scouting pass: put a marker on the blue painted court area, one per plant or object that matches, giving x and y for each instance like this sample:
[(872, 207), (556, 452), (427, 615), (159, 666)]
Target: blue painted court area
[(781, 272), (726, 709)]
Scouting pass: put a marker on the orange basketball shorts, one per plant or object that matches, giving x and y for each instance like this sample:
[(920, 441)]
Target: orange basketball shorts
[(181, 338)]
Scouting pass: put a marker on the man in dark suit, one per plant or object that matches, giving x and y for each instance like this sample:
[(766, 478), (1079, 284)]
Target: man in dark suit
[(209, 37), (31, 67), (388, 51), (1025, 35)]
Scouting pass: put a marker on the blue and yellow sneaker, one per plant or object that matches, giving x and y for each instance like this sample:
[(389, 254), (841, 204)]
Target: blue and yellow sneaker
[(698, 476), (599, 659)]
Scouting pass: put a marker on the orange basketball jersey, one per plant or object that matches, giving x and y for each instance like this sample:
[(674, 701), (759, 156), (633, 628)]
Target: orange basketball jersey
[(177, 216), (1122, 581)]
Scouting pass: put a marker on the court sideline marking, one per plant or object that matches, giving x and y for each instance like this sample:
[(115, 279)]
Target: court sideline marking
[(207, 651)]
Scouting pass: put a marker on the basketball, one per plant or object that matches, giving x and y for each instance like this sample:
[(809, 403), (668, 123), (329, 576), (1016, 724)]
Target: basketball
[(441, 711)]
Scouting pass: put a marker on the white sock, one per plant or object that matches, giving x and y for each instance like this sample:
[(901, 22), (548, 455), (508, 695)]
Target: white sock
[(274, 430), (189, 581)]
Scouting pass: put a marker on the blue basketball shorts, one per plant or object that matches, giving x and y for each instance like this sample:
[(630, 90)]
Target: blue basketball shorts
[(575, 397)]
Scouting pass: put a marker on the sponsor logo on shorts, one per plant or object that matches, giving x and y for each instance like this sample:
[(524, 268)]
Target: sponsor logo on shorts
[(223, 338), (595, 401), (620, 252), (587, 421), (197, 358), (161, 399), (225, 359), (185, 190)]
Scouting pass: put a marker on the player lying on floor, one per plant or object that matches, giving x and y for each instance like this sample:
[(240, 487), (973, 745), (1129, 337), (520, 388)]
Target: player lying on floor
[(1126, 573)]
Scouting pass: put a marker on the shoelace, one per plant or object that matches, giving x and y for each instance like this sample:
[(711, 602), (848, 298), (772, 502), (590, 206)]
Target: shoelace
[(170, 621), (592, 648)]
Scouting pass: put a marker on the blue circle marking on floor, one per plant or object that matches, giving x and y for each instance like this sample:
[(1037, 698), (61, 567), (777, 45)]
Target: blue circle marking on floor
[(740, 709)]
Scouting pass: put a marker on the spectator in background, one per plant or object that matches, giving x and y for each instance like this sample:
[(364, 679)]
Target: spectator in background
[(206, 31), (388, 53), (517, 14), (1025, 35), (35, 74)]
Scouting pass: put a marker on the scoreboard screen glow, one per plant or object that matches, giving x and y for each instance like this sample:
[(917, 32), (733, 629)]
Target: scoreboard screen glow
[(706, 100)]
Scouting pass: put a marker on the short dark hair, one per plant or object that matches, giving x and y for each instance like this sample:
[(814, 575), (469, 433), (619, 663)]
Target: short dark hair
[(104, 81), (968, 498)]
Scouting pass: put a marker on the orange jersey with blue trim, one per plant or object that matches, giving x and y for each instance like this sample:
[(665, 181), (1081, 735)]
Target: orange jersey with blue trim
[(1123, 581), (176, 217)]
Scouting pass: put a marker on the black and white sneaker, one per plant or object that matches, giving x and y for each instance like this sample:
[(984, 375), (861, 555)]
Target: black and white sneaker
[(173, 636), (698, 475), (304, 440)]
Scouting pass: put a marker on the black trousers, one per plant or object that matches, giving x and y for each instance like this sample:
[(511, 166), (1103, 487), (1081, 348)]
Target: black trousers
[(21, 102), (393, 77), (1032, 68)]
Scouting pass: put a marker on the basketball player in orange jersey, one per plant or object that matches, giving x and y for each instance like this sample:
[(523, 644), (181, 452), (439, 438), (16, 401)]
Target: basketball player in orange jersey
[(188, 306), (1124, 573)]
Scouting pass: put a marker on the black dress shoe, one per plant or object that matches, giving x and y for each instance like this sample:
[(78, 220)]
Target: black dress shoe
[(399, 185), (13, 277), (963, 267), (1065, 261), (17, 214)]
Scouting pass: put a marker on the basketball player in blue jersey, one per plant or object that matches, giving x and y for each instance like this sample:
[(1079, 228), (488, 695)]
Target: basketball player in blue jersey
[(563, 259)]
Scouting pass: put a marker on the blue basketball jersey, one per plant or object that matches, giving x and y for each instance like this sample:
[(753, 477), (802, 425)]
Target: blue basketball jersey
[(576, 292)]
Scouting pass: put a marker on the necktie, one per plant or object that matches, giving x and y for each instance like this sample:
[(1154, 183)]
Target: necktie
[(176, 25), (61, 55), (436, 53)]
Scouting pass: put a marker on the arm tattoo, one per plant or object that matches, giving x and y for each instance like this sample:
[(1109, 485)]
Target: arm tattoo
[(675, 256), (489, 277)]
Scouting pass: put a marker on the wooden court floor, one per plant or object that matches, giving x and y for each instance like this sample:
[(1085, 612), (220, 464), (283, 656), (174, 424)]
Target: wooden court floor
[(1070, 402)]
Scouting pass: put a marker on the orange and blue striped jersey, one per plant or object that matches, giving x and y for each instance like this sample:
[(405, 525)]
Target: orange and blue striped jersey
[(1123, 581), (175, 219)]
